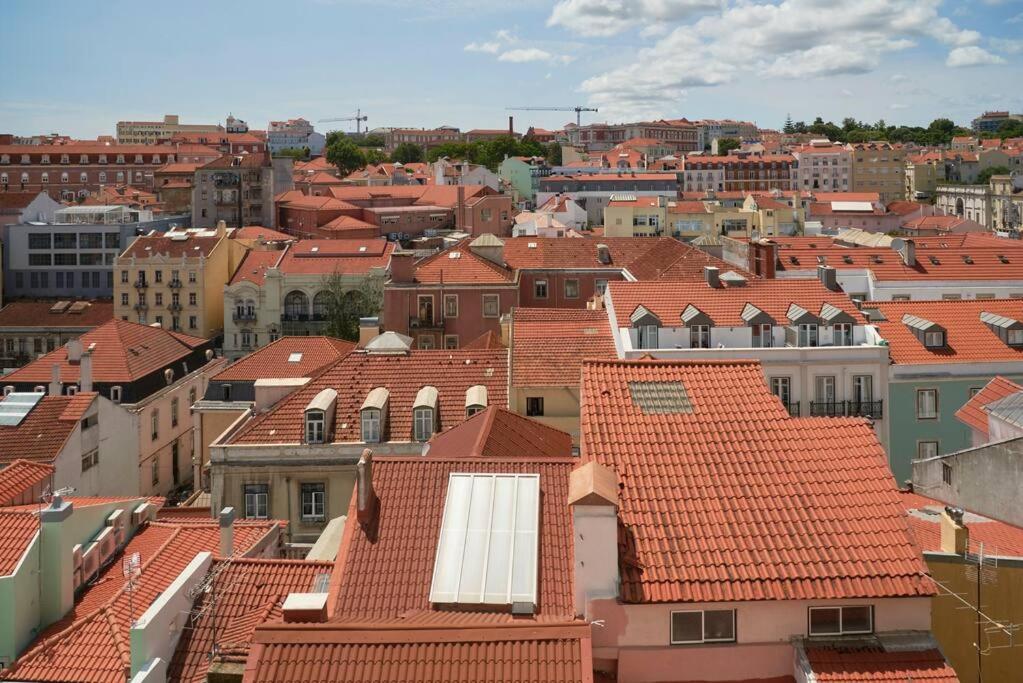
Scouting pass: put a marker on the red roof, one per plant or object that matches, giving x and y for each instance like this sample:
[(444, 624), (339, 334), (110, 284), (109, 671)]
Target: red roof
[(703, 525), (44, 431), (253, 267), (873, 665), (22, 475), (487, 340), (17, 200), (346, 256), (724, 305), (161, 243), (550, 344), (942, 223), (125, 351), (948, 263), (904, 208), (452, 373), (17, 529), (91, 642), (973, 414), (464, 268), (286, 357), (924, 515), (500, 433), (48, 314), (254, 232), (967, 338)]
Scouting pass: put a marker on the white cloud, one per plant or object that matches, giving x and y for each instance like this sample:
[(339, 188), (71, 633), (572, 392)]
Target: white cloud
[(532, 54), (1013, 47), (971, 56), (506, 36), (608, 17), (897, 105), (1018, 19), (845, 92), (489, 48)]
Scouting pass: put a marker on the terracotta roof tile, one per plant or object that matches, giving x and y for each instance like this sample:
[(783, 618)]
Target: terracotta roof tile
[(550, 344), (16, 200), (873, 665), (161, 244), (950, 262), (253, 232), (31, 313), (500, 433), (125, 351), (253, 267), (924, 516), (487, 340), (44, 431), (460, 265), (275, 359), (973, 415), (967, 338), (358, 373), (699, 524), (17, 529), (20, 476)]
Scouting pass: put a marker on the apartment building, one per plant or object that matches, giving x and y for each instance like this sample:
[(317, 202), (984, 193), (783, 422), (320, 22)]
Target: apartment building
[(22, 207), (145, 378), (522, 176), (989, 121), (284, 292), (239, 190), (682, 135), (421, 137), (172, 184), (879, 167), (767, 213), (77, 169), (151, 132), (739, 171), (823, 165), (294, 134), (30, 327), (176, 279), (710, 130), (593, 191), (225, 143), (924, 171), (73, 256), (998, 205)]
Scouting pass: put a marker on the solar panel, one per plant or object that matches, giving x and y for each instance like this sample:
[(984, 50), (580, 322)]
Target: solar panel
[(16, 406), (488, 546)]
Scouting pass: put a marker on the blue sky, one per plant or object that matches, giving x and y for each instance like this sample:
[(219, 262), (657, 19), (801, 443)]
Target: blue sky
[(78, 67)]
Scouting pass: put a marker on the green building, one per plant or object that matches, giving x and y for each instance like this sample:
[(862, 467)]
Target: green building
[(523, 175)]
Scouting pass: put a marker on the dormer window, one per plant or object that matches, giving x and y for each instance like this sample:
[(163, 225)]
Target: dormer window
[(424, 414), (1008, 329), (315, 424), (373, 413), (699, 337), (319, 417), (647, 326), (933, 340), (475, 400), (930, 334)]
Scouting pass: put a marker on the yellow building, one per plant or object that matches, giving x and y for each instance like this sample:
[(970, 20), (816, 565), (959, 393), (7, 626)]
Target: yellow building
[(177, 279), (627, 215), (150, 132), (879, 167), (924, 172)]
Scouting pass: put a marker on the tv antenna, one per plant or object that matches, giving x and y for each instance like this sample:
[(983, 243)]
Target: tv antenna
[(131, 569)]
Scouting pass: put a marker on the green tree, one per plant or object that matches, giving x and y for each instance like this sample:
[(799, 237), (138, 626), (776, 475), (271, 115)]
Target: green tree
[(345, 305), (345, 155), (789, 127), (725, 145), (296, 153), (553, 154), (374, 156), (369, 140), (407, 153), (451, 150), (984, 177)]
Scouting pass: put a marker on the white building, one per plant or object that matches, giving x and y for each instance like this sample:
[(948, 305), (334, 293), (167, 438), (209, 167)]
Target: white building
[(294, 134)]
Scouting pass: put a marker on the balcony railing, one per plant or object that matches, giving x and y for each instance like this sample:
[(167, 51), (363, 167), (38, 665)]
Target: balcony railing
[(174, 307), (141, 284), (874, 409), (827, 408), (174, 284), (141, 306), (243, 315), (792, 407), (421, 323)]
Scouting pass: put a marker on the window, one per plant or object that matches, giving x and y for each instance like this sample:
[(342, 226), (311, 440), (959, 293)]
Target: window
[(699, 337), (158, 276), (843, 334), (90, 460), (371, 425), (174, 412), (39, 259), (154, 423), (572, 289), (159, 298), (491, 306), (1014, 337), (225, 392), (926, 404), (124, 277), (450, 341), (38, 240), (600, 286), (782, 388), (540, 289), (450, 305), (835, 621), (974, 391), (934, 339), (191, 396), (946, 472), (191, 277), (155, 471), (703, 626), (256, 496), (193, 323), (926, 449), (808, 334), (315, 424), (115, 394), (313, 503), (191, 298), (534, 406), (124, 298), (646, 337), (424, 305), (422, 424), (863, 388)]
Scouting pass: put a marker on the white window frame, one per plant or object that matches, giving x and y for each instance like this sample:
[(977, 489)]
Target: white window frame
[(934, 340), (645, 334), (703, 627), (806, 332), (920, 392), (315, 426), (371, 423), (255, 502), (841, 620), (765, 331), (699, 337), (496, 300), (422, 419), (447, 298), (567, 294), (845, 330), (317, 503)]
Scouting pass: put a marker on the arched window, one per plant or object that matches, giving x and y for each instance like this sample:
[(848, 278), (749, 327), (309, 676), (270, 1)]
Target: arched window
[(45, 177), (84, 177), (959, 207), (321, 305), (24, 178), (3, 178), (63, 177), (250, 308), (103, 176), (296, 306), (239, 309)]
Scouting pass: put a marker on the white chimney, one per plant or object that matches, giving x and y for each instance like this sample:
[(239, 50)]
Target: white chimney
[(593, 497), (55, 388), (366, 497), (85, 370), (227, 532), (74, 350)]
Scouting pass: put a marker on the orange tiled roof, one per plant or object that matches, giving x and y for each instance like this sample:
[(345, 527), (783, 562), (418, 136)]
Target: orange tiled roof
[(403, 375), (973, 415), (702, 525), (324, 257), (937, 223), (487, 340), (44, 431), (17, 200), (724, 305), (253, 232), (465, 268), (924, 515), (903, 208), (161, 244), (499, 433), (967, 338), (872, 665), (125, 351), (550, 344), (274, 359), (34, 313), (91, 641), (254, 266), (948, 263), (17, 529), (22, 475)]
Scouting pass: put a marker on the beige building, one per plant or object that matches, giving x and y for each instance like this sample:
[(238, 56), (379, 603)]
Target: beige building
[(630, 216), (879, 167), (151, 132), (239, 189), (924, 172), (176, 279)]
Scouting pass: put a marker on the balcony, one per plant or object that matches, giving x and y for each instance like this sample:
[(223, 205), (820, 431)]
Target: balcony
[(141, 284), (422, 323), (827, 408), (239, 316), (141, 306), (174, 307), (175, 284), (872, 409), (792, 407)]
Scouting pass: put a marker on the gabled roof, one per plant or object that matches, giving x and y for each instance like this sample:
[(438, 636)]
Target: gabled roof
[(124, 352), (164, 244), (17, 529), (487, 340), (22, 475), (56, 314), (254, 232), (286, 357), (17, 200), (873, 664), (723, 530), (254, 266), (549, 344), (461, 265), (499, 433), (974, 414), (42, 434), (403, 375)]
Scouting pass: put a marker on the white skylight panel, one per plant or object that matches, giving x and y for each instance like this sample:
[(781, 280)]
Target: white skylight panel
[(487, 551)]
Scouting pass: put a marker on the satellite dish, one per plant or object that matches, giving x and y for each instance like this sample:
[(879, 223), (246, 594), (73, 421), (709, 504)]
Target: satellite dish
[(898, 243)]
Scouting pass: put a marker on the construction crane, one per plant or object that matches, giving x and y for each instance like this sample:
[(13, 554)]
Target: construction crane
[(358, 118), (578, 111)]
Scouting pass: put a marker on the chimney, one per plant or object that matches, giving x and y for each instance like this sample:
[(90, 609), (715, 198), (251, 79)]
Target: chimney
[(55, 388), (908, 252), (305, 607), (366, 497), (955, 537), (593, 499), (402, 267), (74, 350), (511, 126), (369, 329), (85, 370), (603, 254), (56, 560), (711, 275), (227, 532), (828, 277), (460, 209)]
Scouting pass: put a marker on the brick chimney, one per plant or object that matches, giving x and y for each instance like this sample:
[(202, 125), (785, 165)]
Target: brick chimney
[(366, 497), (402, 267), (955, 537)]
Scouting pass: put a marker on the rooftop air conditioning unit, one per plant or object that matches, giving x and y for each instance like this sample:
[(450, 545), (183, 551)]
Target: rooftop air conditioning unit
[(107, 544), (90, 561)]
